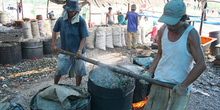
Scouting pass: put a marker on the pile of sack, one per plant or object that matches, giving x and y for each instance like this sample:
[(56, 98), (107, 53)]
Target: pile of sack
[(37, 28), (103, 37)]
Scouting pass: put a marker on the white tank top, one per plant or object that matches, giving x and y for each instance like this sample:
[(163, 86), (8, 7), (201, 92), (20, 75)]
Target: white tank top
[(176, 62), (110, 17)]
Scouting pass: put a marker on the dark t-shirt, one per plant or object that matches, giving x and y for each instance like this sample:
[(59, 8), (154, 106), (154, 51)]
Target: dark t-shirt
[(51, 15), (71, 34), (132, 21)]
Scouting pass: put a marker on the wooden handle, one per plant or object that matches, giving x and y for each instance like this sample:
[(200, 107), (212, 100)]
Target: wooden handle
[(119, 70)]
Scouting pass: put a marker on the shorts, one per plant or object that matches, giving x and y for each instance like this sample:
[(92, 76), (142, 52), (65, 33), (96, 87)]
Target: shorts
[(67, 64), (151, 39), (160, 96), (110, 22)]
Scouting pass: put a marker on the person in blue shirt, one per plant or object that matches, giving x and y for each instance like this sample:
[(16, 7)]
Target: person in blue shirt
[(73, 32), (132, 18), (51, 15), (121, 18)]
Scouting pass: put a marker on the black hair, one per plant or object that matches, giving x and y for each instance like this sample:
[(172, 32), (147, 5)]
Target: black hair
[(184, 17), (110, 8)]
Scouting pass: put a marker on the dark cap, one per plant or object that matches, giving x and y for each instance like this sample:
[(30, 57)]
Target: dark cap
[(72, 5)]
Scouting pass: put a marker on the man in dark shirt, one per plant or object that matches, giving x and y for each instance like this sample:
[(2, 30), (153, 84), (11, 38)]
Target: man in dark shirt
[(51, 15), (73, 32), (132, 27)]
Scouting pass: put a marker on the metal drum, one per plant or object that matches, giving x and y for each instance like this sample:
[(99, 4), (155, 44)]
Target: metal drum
[(111, 99), (213, 49), (48, 45), (32, 50), (10, 53)]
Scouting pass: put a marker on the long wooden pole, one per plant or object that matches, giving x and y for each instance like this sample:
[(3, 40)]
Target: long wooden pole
[(17, 10), (3, 5), (47, 8), (90, 15), (128, 7), (202, 17), (119, 70), (22, 9)]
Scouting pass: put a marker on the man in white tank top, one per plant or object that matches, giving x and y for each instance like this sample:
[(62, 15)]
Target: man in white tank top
[(178, 46), (110, 19)]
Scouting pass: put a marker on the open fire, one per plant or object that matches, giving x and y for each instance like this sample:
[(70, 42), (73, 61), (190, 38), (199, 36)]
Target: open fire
[(139, 105)]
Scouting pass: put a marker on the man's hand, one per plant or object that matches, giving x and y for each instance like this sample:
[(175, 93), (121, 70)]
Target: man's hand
[(54, 48), (78, 53), (178, 89), (146, 34), (146, 74)]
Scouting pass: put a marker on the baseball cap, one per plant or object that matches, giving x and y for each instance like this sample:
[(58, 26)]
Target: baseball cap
[(173, 12), (118, 11), (133, 7)]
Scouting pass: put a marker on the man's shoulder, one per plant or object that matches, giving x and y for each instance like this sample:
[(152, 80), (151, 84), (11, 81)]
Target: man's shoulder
[(81, 18), (193, 33), (59, 19)]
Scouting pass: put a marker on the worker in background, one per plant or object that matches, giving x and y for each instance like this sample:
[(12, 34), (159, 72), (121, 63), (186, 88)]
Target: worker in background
[(178, 47), (121, 18), (110, 19), (153, 32), (132, 27), (51, 15), (19, 7), (73, 32)]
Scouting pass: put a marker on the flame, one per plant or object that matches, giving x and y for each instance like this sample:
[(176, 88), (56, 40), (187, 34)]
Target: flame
[(140, 104), (32, 59), (6, 65)]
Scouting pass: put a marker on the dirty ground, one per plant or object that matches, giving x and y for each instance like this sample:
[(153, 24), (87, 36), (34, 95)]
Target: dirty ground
[(19, 83)]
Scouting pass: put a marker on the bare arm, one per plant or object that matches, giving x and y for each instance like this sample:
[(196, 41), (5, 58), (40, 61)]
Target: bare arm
[(196, 51), (159, 53), (82, 44), (137, 22), (54, 37)]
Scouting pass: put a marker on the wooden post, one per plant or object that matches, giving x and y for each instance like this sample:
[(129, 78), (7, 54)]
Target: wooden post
[(47, 8), (90, 15), (202, 17), (128, 7), (22, 9), (3, 4), (17, 10)]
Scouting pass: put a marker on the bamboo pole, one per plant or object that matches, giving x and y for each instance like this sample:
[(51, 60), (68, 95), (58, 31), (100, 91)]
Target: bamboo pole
[(17, 10), (3, 4), (128, 7), (47, 8), (90, 15), (119, 70), (202, 17), (22, 9)]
